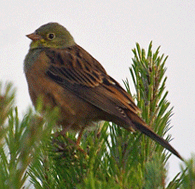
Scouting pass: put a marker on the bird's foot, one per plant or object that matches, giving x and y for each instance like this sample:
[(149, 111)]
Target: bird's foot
[(70, 141)]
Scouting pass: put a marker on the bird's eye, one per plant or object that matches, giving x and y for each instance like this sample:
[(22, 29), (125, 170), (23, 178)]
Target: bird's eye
[(51, 36)]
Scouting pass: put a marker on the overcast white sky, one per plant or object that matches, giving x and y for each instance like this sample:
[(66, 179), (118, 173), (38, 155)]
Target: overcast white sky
[(109, 30)]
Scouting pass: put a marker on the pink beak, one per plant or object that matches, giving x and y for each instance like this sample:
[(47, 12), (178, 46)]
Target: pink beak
[(34, 36)]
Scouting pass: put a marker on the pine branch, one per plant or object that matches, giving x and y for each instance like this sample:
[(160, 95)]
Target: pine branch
[(20, 141)]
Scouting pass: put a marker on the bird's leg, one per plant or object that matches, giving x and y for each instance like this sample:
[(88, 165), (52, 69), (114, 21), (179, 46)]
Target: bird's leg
[(80, 136), (63, 133), (76, 145)]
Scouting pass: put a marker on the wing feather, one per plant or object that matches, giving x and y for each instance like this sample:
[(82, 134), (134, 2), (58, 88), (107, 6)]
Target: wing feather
[(76, 70)]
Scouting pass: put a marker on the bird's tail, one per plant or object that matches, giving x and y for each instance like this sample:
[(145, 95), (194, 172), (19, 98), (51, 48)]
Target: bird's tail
[(140, 125)]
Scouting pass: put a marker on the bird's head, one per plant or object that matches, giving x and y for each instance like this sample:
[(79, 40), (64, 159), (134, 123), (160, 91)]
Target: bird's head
[(51, 35)]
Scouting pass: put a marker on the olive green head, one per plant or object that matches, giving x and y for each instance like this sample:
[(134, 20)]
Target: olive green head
[(51, 35)]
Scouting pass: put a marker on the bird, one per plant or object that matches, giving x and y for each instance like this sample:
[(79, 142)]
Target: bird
[(68, 77)]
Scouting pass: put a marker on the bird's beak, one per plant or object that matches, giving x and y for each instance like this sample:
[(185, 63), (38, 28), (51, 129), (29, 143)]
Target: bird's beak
[(34, 36)]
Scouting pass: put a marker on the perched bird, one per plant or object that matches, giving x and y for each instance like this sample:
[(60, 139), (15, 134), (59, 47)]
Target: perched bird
[(68, 77)]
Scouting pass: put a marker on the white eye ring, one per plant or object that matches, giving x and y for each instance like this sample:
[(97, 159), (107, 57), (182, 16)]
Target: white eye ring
[(51, 36)]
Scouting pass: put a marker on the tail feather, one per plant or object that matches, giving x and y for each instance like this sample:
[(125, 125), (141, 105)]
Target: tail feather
[(140, 125)]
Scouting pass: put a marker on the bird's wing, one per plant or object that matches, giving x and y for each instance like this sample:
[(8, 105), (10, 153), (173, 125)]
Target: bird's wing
[(76, 70)]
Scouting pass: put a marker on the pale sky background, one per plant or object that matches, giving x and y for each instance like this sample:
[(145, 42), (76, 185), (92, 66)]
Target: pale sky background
[(109, 30)]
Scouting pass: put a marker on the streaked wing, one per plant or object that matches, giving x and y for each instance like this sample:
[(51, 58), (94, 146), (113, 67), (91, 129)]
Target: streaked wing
[(76, 70)]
